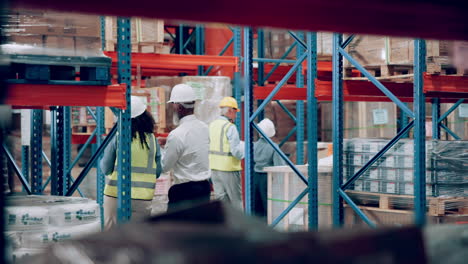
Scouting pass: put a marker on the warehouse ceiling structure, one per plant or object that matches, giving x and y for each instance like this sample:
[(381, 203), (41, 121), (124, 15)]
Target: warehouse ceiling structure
[(430, 19)]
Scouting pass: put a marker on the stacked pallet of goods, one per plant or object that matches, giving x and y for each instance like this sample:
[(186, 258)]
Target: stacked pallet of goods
[(34, 222), (386, 189)]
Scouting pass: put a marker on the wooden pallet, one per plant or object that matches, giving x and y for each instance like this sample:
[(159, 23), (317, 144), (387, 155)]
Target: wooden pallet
[(437, 206), (442, 65), (142, 47), (384, 71)]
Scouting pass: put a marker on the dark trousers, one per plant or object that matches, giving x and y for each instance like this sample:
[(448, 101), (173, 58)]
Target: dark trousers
[(260, 194), (188, 193)]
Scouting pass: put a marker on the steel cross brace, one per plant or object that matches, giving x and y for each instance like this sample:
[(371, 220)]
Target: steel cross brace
[(17, 170), (91, 161), (438, 123)]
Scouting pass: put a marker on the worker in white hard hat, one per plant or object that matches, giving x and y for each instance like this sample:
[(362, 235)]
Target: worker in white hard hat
[(145, 166), (226, 153), (186, 152), (264, 156)]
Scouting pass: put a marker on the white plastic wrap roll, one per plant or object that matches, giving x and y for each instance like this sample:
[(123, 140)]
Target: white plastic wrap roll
[(13, 239), (26, 217), (21, 253), (40, 239), (74, 214)]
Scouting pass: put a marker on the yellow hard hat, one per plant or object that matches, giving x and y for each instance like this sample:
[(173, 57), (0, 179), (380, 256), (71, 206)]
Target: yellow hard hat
[(229, 102)]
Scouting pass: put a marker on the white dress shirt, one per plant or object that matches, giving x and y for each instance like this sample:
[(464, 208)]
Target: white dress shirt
[(186, 151)]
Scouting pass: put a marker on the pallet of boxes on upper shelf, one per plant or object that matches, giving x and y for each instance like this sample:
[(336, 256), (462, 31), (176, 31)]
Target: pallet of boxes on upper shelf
[(385, 192), (44, 46), (147, 35), (62, 32), (392, 58), (34, 222)]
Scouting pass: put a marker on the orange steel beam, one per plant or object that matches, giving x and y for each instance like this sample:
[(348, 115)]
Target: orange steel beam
[(445, 84), (429, 19), (33, 95), (449, 88), (163, 61), (158, 71)]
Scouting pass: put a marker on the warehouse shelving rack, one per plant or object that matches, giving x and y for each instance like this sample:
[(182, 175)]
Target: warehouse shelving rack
[(424, 86), (312, 93), (306, 50)]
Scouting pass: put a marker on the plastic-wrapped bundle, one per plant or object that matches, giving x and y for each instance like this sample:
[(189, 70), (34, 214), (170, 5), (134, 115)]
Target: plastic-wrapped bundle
[(450, 162), (74, 214), (446, 166), (26, 217), (284, 186), (210, 90), (33, 221), (52, 234)]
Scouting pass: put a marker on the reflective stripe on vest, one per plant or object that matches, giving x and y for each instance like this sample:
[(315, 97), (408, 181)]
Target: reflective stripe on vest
[(143, 178), (221, 157)]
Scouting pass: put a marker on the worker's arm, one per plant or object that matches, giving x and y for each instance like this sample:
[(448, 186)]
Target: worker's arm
[(171, 153), (108, 159), (277, 160), (234, 142), (158, 160)]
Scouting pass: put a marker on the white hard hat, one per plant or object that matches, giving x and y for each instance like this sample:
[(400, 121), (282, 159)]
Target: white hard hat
[(182, 93), (138, 105), (268, 127)]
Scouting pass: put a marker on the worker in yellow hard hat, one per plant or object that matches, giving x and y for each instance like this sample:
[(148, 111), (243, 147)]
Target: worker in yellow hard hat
[(226, 153)]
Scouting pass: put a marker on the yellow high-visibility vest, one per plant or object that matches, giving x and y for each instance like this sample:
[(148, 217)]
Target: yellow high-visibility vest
[(143, 171), (220, 151)]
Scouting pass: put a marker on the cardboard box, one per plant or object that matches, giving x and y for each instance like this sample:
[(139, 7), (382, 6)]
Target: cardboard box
[(72, 24), (87, 44), (60, 42), (33, 40)]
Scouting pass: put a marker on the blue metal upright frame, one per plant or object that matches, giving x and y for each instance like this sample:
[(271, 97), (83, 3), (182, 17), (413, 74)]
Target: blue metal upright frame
[(312, 131), (36, 151), (25, 162), (124, 205), (337, 124), (237, 45), (300, 107), (419, 133), (307, 51), (59, 178), (418, 114), (248, 108)]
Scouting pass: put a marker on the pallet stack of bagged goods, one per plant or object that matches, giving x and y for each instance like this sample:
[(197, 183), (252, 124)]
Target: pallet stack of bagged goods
[(388, 185), (393, 174), (34, 222)]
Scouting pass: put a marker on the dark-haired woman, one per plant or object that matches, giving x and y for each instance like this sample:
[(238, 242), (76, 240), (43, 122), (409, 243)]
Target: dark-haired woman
[(145, 167)]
